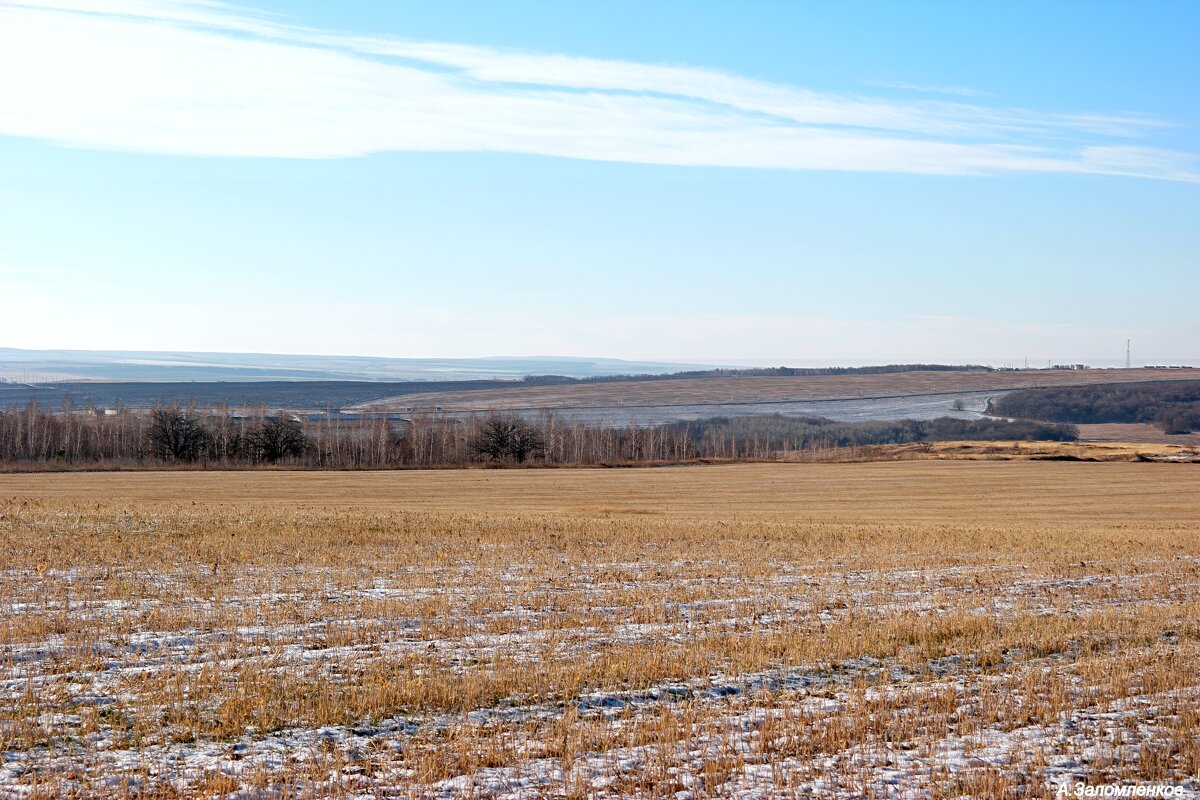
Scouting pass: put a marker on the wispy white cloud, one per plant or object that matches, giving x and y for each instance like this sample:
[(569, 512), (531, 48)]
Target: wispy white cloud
[(205, 78), (959, 91)]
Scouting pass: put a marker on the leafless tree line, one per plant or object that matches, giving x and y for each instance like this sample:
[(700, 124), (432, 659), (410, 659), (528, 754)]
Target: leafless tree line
[(243, 437)]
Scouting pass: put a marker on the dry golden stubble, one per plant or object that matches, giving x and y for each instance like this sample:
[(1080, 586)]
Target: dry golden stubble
[(921, 626)]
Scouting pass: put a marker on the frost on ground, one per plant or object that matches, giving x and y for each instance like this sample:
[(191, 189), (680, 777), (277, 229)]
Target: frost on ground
[(202, 651)]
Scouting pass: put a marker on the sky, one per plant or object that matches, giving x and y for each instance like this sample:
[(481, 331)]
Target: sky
[(721, 182)]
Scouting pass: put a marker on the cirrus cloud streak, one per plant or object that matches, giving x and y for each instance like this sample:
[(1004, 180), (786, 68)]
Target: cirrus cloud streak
[(204, 78)]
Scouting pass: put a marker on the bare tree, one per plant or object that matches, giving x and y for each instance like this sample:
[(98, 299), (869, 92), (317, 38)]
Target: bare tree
[(276, 438), (175, 435), (504, 436), (524, 441)]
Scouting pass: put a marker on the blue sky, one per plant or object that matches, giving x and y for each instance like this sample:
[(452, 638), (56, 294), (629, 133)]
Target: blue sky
[(731, 182)]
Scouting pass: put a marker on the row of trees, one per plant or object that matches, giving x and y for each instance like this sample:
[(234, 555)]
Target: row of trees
[(236, 437), (168, 435), (764, 435), (175, 435)]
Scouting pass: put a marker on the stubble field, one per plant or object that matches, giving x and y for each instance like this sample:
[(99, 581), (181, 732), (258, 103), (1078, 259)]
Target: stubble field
[(907, 629)]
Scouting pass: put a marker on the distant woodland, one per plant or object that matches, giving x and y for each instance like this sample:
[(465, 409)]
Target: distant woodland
[(807, 433), (178, 436), (1174, 406)]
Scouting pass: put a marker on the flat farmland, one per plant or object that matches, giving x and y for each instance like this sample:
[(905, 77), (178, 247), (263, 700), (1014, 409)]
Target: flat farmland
[(1135, 432), (920, 628), (760, 389)]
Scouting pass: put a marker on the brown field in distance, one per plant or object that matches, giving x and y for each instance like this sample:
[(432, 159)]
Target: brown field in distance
[(1084, 450), (877, 492), (955, 628), (1136, 433), (760, 389)]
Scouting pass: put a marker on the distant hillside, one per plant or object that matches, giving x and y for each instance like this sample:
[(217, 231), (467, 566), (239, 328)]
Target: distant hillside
[(44, 366), (767, 372), (321, 394), (731, 387), (300, 395)]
